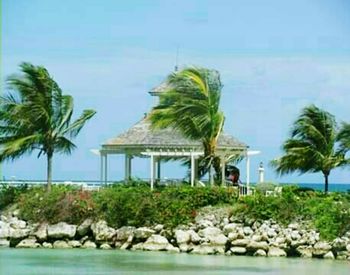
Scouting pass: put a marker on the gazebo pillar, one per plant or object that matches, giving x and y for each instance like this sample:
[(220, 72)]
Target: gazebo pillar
[(127, 167), (152, 170), (193, 169), (223, 166), (158, 168), (105, 168)]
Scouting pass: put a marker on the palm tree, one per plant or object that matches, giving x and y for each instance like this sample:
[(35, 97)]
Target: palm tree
[(37, 116), (191, 105), (312, 145), (344, 137)]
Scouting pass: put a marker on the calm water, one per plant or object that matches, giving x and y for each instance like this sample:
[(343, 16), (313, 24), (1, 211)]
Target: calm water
[(46, 261)]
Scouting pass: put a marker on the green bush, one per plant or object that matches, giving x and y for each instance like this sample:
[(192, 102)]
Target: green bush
[(61, 204), (9, 194)]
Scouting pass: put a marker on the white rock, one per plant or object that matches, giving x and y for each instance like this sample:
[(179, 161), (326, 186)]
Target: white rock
[(156, 243), (125, 232), (102, 232), (143, 233), (203, 249), (17, 224), (89, 245), (260, 253), (230, 228), (74, 244), (293, 226), (247, 231), (328, 255), (271, 233), (182, 237), (158, 228), (256, 238), (218, 240), (28, 243), (61, 230), (238, 250), (18, 233), (173, 249), (257, 245), (105, 246), (138, 246), (305, 251), (209, 232), (240, 242), (276, 252), (194, 237), (321, 248), (61, 244), (4, 243), (84, 227), (295, 235), (348, 247), (4, 230), (47, 245), (41, 232)]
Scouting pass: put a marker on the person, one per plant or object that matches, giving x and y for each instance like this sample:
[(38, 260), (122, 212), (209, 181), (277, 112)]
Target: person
[(233, 175)]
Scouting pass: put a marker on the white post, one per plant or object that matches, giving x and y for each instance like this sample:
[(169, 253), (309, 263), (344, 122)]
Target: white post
[(192, 169), (261, 172), (223, 166), (106, 171), (248, 174), (152, 171), (127, 167), (101, 169)]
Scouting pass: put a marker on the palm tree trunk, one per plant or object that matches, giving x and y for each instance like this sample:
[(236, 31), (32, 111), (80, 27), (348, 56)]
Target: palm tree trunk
[(211, 175), (49, 171), (326, 174)]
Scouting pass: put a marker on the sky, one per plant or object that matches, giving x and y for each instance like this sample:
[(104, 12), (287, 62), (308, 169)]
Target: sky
[(275, 57)]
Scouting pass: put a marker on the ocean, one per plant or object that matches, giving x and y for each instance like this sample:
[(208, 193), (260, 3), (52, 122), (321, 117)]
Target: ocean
[(332, 187)]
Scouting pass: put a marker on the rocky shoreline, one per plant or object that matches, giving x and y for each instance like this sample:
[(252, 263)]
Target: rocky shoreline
[(213, 232)]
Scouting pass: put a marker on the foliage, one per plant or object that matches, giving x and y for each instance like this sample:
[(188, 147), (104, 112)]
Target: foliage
[(312, 145), (265, 186), (37, 116), (10, 194), (191, 105), (63, 203)]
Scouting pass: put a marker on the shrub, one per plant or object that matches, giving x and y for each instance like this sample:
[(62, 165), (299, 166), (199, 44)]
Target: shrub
[(9, 194)]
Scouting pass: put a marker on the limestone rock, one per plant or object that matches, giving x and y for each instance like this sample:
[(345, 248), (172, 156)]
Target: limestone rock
[(84, 227), (143, 233), (16, 233), (240, 242), (173, 249), (158, 228), (209, 232), (247, 231), (138, 246), (230, 228), (105, 246), (343, 255), (257, 245), (195, 238), (101, 231), (15, 223), (260, 253), (89, 245), (61, 244), (321, 248), (47, 245), (276, 252), (4, 243), (61, 230), (182, 237), (28, 243), (74, 244), (329, 255), (218, 240), (203, 249), (348, 247), (4, 230), (156, 243), (125, 232), (305, 251), (41, 232), (238, 250)]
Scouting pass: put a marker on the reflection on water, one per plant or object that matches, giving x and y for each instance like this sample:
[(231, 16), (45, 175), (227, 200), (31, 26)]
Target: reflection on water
[(78, 261)]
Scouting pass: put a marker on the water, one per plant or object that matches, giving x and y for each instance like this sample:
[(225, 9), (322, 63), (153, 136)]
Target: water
[(78, 261), (333, 187)]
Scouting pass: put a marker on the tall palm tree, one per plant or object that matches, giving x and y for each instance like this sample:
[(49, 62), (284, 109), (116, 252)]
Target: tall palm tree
[(312, 145), (191, 105), (344, 137), (36, 115)]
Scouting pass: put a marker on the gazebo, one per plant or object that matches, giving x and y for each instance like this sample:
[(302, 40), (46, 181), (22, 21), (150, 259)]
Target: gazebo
[(156, 144)]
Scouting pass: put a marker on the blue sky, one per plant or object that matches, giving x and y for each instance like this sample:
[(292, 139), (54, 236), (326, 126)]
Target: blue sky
[(275, 57)]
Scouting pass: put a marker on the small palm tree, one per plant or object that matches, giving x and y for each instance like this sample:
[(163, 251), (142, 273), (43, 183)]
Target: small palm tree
[(191, 105), (37, 116), (312, 145)]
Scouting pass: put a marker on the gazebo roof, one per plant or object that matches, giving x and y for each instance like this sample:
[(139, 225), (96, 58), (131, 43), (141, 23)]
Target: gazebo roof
[(161, 88), (142, 136)]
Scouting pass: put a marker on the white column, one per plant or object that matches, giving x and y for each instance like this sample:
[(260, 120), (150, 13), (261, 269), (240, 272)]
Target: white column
[(152, 171), (127, 167), (248, 173), (101, 169), (261, 172), (223, 164), (106, 168), (193, 168)]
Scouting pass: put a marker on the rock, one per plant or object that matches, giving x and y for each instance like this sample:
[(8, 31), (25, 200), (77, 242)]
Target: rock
[(61, 230), (143, 233), (240, 242), (257, 245), (158, 228), (295, 235), (342, 255), (293, 226), (209, 232), (47, 245), (4, 230), (305, 251), (89, 245), (61, 244), (247, 231), (41, 232), (256, 238), (203, 249), (84, 227), (74, 244), (28, 243), (182, 237), (19, 233), (128, 243), (105, 246), (125, 232), (156, 243), (276, 252), (101, 231), (238, 250), (138, 246), (271, 233), (15, 223), (321, 248), (232, 236), (194, 237), (280, 240), (218, 240), (4, 243), (204, 224), (260, 253), (185, 247), (230, 228), (173, 249), (328, 255), (348, 247)]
